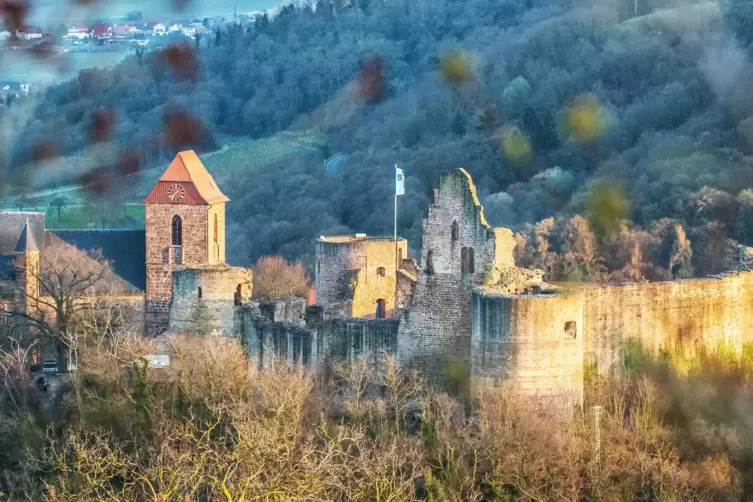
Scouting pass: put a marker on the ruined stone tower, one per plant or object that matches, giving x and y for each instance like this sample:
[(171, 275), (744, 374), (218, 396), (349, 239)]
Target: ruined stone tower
[(357, 276), (205, 299), (185, 227), (458, 248)]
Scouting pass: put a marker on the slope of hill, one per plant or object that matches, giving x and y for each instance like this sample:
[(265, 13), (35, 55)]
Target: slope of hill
[(543, 102), (72, 205)]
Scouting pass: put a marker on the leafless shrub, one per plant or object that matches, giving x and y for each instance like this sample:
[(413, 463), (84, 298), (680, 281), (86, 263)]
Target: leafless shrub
[(274, 278)]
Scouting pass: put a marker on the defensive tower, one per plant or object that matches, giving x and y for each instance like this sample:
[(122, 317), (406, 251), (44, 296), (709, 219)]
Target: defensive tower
[(185, 227), (357, 276)]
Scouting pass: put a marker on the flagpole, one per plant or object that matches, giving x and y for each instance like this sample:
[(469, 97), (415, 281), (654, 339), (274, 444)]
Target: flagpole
[(397, 265), (396, 209), (395, 217)]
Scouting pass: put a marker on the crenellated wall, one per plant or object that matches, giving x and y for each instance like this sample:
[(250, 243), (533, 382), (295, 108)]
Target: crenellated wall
[(287, 340), (530, 343)]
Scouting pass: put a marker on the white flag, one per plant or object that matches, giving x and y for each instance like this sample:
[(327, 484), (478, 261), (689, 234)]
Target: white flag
[(399, 181)]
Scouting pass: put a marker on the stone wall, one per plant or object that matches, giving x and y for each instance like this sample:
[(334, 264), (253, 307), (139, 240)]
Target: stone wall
[(205, 299), (531, 344), (678, 315), (359, 261), (197, 226), (346, 340), (537, 343), (272, 342), (436, 327), (290, 310)]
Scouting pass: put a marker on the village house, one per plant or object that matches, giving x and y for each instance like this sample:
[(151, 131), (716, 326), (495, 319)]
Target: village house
[(125, 31), (78, 32), (30, 33), (157, 29), (102, 31), (79, 28)]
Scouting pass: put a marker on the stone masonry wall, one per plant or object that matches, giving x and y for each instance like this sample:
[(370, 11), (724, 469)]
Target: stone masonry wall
[(336, 256), (204, 299), (531, 344), (436, 328), (347, 340), (678, 314), (195, 251), (272, 342)]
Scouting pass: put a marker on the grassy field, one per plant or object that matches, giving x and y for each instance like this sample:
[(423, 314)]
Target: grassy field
[(81, 216), (243, 155), (238, 157)]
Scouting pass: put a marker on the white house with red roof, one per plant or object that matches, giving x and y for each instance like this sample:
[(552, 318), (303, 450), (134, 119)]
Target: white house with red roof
[(79, 31), (121, 31), (102, 30), (79, 28), (29, 32)]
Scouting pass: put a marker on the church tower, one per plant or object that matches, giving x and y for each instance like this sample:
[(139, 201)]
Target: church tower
[(27, 270), (185, 227)]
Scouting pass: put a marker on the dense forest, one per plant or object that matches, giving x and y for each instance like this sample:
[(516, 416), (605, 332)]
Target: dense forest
[(634, 117)]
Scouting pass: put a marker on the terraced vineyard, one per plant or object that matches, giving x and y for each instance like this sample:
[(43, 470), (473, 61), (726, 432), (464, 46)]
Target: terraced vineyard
[(241, 156)]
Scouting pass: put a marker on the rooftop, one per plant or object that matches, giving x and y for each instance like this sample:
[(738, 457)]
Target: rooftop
[(187, 167)]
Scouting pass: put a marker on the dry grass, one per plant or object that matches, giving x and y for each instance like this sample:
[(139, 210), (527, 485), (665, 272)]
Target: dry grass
[(210, 427)]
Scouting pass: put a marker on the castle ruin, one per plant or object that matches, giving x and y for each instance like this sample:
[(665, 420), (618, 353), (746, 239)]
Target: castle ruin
[(464, 304)]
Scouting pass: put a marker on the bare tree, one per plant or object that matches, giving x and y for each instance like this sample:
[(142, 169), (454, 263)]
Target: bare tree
[(139, 51), (274, 278), (61, 294)]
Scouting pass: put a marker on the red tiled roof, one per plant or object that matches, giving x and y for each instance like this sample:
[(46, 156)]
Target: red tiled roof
[(188, 170), (101, 28)]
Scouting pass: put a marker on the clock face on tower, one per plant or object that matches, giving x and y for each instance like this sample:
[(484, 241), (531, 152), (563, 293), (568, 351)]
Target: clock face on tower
[(176, 192)]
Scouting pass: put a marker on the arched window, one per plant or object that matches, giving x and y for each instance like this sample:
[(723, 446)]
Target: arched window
[(467, 265), (399, 257), (177, 231), (199, 292), (216, 240), (454, 231), (381, 272), (430, 262)]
